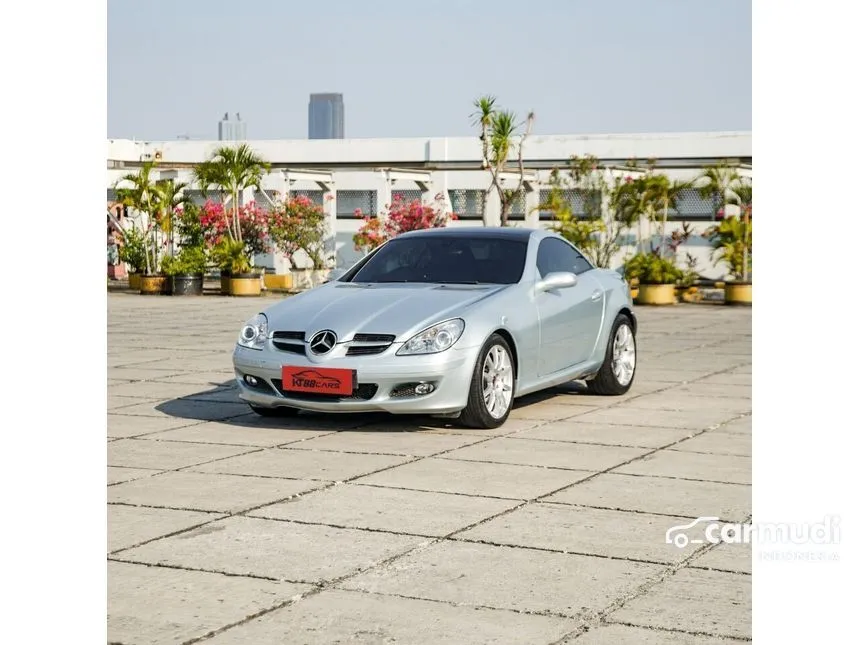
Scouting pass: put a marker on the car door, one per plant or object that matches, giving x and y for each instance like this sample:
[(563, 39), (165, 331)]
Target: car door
[(570, 319)]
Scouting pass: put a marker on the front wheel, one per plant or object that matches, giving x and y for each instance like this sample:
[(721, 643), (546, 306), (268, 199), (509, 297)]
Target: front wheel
[(619, 364), (491, 392), (277, 411)]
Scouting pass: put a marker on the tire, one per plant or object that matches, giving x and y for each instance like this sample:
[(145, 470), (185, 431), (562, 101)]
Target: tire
[(278, 411), (477, 413), (607, 382)]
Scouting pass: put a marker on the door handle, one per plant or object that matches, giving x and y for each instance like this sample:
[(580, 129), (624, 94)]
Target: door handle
[(597, 295)]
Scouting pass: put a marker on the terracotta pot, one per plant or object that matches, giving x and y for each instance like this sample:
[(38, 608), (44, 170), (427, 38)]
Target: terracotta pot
[(154, 285), (245, 284), (656, 294), (738, 293), (134, 281)]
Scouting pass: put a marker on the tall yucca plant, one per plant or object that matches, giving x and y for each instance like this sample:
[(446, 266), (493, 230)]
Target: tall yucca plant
[(140, 196), (499, 139), (230, 170)]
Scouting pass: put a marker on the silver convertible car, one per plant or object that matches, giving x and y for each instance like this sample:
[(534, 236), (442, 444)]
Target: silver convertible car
[(454, 322)]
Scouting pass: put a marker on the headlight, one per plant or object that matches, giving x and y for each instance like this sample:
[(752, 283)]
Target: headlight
[(254, 332), (435, 339)]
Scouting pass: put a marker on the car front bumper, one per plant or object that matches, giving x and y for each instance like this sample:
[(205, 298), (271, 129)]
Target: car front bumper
[(381, 380)]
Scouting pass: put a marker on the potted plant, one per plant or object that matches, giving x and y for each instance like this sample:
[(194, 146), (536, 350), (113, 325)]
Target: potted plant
[(229, 171), (185, 271), (298, 226), (656, 276), (732, 242), (132, 251), (232, 259)]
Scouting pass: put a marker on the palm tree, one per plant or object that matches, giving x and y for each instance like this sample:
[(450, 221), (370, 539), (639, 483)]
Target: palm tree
[(717, 182), (168, 196), (742, 198), (140, 196), (231, 170), (662, 194), (498, 139)]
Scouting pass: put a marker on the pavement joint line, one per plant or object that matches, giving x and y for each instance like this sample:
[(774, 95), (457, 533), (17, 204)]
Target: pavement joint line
[(703, 452), (686, 479), (721, 637), (508, 463), (166, 565), (543, 549), (624, 510), (719, 570), (523, 612), (441, 492)]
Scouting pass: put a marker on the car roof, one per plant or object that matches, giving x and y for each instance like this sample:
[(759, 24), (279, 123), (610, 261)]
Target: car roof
[(496, 232)]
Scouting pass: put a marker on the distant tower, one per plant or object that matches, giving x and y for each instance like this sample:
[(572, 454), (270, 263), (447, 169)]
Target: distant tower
[(325, 116), (232, 130)]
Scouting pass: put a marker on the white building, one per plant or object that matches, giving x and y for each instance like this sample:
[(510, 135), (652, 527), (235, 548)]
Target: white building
[(366, 173)]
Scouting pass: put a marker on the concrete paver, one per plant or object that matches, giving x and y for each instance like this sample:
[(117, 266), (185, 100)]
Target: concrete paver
[(230, 525), (695, 600)]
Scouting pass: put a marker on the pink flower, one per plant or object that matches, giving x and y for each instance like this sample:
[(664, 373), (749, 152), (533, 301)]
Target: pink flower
[(628, 179)]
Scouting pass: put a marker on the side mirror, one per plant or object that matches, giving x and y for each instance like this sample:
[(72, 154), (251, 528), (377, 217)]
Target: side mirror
[(335, 274), (559, 280)]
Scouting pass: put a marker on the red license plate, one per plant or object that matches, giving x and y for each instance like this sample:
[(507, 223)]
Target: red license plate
[(319, 380)]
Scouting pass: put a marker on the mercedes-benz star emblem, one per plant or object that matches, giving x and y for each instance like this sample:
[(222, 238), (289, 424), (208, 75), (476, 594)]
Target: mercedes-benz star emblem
[(322, 342)]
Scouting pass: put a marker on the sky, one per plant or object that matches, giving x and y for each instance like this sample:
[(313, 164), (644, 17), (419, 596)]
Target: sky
[(412, 68)]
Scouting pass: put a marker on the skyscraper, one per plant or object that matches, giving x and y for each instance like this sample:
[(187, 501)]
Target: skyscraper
[(232, 130), (325, 116)]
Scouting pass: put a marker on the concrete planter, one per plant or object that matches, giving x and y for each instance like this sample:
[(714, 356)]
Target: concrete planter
[(738, 293), (656, 294)]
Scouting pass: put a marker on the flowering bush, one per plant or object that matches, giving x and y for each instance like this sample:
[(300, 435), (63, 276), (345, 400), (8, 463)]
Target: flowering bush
[(253, 224), (298, 224), (401, 217)]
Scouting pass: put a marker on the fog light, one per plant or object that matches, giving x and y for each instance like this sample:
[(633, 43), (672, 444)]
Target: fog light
[(424, 388), (251, 380)]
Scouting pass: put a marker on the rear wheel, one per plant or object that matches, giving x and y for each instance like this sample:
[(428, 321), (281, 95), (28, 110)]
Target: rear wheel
[(491, 392), (619, 364), (278, 411)]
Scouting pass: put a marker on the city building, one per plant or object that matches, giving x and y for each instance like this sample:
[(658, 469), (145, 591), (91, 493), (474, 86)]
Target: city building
[(325, 116), (232, 130)]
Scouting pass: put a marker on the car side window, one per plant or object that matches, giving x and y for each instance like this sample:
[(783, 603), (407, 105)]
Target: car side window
[(555, 255)]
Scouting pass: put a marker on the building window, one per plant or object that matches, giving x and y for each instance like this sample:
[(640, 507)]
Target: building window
[(518, 206), (316, 196), (349, 200), (690, 205), (406, 196), (467, 204), (576, 200)]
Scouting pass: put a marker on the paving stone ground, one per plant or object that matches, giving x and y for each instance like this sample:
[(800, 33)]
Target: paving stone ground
[(225, 527)]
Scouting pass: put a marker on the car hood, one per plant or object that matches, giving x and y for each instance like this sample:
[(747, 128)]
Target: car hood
[(399, 309)]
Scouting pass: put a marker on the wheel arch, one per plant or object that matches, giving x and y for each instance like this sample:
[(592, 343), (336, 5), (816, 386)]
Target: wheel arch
[(506, 334)]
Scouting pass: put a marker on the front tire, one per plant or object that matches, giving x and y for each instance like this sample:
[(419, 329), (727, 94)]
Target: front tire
[(619, 364), (278, 411), (491, 392)]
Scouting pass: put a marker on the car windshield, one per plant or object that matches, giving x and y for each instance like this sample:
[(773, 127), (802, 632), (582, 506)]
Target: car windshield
[(448, 260)]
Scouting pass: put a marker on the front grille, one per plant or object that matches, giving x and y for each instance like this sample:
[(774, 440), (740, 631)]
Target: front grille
[(366, 350), (374, 338), (363, 392), (289, 335), (368, 344), (286, 341)]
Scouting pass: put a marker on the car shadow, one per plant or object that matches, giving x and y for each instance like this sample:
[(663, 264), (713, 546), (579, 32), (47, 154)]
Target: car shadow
[(220, 402)]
